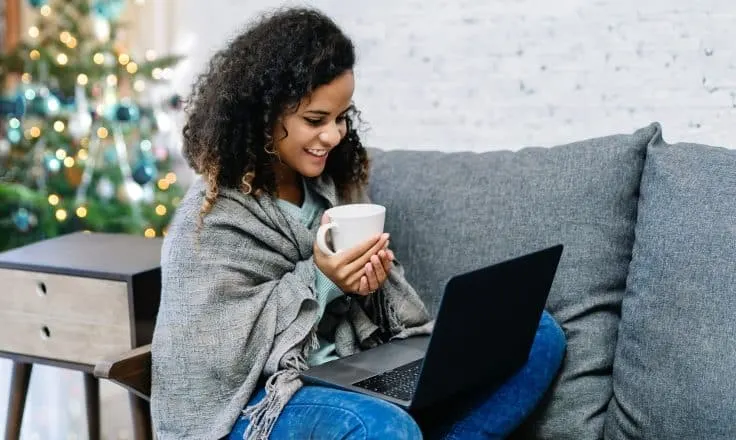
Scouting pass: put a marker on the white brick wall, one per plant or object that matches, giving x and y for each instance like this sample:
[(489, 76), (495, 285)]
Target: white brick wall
[(487, 74)]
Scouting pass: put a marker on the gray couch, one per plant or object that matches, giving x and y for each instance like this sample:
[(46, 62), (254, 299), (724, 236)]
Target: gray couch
[(646, 288)]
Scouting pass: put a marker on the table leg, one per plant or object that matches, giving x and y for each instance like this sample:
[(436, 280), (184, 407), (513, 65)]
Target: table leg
[(141, 410), (92, 397), (17, 401)]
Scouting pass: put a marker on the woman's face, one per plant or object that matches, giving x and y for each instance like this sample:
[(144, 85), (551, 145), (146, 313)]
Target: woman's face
[(317, 126)]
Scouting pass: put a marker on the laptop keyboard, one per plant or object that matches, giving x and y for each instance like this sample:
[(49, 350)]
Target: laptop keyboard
[(398, 383)]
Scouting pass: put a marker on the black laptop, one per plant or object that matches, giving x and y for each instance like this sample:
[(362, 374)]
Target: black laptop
[(483, 334)]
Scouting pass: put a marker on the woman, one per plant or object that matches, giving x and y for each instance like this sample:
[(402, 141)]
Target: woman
[(248, 300)]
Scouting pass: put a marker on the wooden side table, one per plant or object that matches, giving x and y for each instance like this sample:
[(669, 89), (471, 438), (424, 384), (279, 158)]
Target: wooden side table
[(72, 301)]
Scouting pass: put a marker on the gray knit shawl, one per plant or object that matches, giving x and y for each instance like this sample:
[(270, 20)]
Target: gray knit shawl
[(238, 304)]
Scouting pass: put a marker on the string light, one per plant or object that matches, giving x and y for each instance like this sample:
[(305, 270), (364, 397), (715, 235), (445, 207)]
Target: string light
[(157, 73), (60, 154), (33, 32), (112, 80), (132, 67), (150, 55), (82, 79), (62, 59), (171, 177), (102, 132), (26, 78), (69, 162), (163, 184), (149, 233), (59, 126), (98, 58), (53, 199), (35, 132), (123, 59), (35, 55), (82, 154), (81, 212), (72, 43), (45, 10), (61, 215), (161, 209), (139, 85), (65, 36)]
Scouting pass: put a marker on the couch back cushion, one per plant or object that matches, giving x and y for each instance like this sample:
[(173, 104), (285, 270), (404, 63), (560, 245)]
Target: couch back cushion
[(674, 373), (453, 212)]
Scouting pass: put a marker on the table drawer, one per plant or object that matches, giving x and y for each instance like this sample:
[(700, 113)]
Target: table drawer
[(61, 339), (77, 299)]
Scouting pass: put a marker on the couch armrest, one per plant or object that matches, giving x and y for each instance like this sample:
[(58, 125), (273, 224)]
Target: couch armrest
[(131, 370)]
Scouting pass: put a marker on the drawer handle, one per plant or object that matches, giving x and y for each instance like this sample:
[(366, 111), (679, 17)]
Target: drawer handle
[(45, 333), (41, 288)]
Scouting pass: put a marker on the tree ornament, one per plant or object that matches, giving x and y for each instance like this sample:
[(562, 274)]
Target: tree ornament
[(109, 9), (105, 188), (144, 171), (124, 111), (37, 3), (24, 220)]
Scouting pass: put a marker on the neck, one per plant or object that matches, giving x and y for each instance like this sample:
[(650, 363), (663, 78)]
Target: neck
[(288, 184)]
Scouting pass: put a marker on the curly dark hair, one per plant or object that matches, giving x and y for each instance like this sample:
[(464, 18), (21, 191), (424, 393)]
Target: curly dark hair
[(259, 76)]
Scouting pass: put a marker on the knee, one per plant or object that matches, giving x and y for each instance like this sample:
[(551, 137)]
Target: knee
[(383, 420), (550, 342)]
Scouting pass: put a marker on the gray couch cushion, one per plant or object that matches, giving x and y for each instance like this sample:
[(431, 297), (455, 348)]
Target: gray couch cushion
[(674, 373), (453, 212)]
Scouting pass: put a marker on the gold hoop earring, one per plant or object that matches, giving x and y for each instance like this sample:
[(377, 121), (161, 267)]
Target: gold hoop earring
[(245, 180), (271, 151)]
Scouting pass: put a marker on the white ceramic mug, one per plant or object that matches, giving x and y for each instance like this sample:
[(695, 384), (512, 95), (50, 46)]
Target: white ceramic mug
[(351, 225)]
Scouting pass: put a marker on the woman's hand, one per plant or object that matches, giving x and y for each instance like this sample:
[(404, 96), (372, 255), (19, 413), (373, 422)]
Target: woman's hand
[(376, 271), (361, 269)]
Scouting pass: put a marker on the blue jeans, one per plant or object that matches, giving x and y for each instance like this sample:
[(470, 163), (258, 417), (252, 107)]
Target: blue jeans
[(325, 413)]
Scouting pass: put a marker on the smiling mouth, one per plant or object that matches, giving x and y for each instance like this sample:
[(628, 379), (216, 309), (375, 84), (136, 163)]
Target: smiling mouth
[(317, 153)]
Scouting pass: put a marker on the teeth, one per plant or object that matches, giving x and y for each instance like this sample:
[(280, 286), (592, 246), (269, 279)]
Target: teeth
[(319, 153)]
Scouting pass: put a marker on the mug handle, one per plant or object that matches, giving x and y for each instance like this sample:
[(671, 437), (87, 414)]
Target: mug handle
[(322, 238)]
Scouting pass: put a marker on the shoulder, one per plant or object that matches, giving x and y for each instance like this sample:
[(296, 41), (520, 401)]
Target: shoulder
[(230, 204), (234, 214)]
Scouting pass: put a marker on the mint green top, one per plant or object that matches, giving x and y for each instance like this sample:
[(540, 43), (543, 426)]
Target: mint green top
[(326, 289)]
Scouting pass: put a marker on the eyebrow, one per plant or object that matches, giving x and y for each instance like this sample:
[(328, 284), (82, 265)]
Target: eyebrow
[(326, 113)]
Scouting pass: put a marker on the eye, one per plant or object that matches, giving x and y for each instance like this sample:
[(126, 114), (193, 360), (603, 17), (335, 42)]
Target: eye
[(313, 122)]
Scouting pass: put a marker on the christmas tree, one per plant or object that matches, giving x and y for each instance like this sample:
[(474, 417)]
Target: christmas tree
[(88, 130)]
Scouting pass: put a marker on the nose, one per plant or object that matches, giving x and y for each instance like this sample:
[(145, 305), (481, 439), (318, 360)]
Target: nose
[(331, 135)]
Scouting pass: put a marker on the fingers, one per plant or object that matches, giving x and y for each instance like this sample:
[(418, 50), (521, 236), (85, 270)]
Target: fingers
[(385, 260), (325, 219), (373, 278), (363, 289), (353, 254), (378, 269), (360, 261)]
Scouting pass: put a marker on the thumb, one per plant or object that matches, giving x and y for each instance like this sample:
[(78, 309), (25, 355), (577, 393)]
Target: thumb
[(325, 219)]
